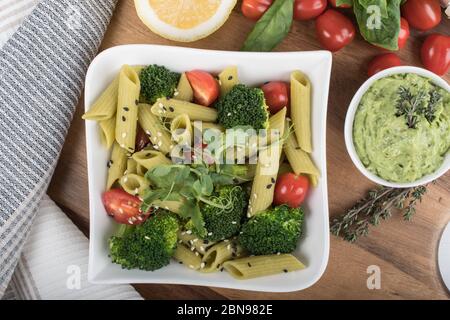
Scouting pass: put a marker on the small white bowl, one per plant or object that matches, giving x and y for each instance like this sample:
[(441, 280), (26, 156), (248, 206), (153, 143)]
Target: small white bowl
[(349, 119)]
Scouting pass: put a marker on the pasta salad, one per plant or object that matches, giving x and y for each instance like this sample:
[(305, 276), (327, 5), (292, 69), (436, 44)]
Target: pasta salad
[(206, 170)]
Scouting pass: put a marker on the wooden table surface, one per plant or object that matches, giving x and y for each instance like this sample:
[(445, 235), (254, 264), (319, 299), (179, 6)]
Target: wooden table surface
[(406, 252)]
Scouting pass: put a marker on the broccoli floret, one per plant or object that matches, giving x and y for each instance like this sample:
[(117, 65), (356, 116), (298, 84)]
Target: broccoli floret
[(243, 106), (157, 82), (148, 246), (223, 223), (272, 231)]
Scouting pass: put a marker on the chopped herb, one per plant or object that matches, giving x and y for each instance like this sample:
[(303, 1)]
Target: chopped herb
[(410, 106)]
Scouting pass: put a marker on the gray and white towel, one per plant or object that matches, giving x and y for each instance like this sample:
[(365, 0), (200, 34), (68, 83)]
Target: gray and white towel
[(42, 70)]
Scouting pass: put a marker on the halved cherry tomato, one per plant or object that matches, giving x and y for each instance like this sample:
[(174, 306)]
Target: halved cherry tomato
[(404, 33), (142, 139), (291, 189), (333, 3), (205, 87), (123, 207), (277, 95), (254, 9), (422, 14), (383, 61), (308, 9), (334, 30), (435, 53)]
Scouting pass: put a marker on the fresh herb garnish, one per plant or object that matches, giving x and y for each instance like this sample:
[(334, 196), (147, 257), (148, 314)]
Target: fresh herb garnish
[(377, 206), (410, 105), (272, 28), (430, 110), (192, 185)]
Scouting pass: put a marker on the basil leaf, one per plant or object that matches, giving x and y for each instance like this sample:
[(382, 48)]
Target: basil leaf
[(381, 5), (272, 28), (341, 2), (385, 34)]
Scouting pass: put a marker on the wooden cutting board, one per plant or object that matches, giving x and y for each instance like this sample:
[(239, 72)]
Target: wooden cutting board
[(404, 251)]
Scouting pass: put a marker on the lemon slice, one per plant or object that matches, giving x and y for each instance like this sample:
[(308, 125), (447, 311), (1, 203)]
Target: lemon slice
[(184, 20)]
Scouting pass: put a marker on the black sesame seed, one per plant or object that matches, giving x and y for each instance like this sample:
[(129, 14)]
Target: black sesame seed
[(230, 78), (171, 109), (126, 108), (148, 154), (273, 180), (285, 270), (109, 164), (249, 265), (168, 98), (164, 108), (269, 186), (136, 102), (221, 270), (123, 118), (180, 262), (205, 241), (298, 148)]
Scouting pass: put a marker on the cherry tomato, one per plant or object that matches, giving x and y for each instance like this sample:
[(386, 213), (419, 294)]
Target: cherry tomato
[(333, 3), (404, 33), (291, 189), (277, 95), (205, 87), (142, 139), (334, 30), (435, 53), (309, 9), (422, 14), (123, 207), (254, 9), (383, 61)]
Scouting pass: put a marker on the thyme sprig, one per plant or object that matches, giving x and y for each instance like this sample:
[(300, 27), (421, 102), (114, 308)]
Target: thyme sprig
[(378, 205), (410, 105)]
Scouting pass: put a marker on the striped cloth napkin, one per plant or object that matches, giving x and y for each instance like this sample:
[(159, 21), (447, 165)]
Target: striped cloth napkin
[(42, 70)]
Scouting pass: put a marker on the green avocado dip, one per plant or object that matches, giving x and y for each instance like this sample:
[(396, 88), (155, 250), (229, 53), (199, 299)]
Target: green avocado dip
[(401, 130)]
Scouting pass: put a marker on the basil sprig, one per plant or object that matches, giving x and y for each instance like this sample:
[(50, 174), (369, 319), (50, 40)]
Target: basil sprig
[(272, 28)]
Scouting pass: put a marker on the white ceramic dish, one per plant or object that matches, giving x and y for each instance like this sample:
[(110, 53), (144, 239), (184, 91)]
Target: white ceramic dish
[(350, 117), (254, 69)]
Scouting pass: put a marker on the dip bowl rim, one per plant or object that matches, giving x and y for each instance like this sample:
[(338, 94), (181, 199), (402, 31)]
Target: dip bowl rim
[(350, 117)]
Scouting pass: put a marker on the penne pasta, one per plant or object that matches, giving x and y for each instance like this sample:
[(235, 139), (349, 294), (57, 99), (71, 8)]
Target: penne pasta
[(210, 125), (107, 131), (277, 124), (153, 127), (171, 108), (172, 206), (217, 255), (301, 109), (228, 78), (127, 108), (150, 158), (263, 187), (194, 242), (260, 266), (184, 91), (134, 184), (187, 257), (105, 106), (181, 129), (299, 160), (131, 166), (117, 165), (140, 169)]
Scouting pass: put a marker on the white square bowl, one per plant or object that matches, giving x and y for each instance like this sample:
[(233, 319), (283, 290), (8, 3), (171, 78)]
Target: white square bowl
[(254, 69)]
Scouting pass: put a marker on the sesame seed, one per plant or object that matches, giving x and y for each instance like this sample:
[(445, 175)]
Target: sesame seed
[(183, 233), (255, 195), (278, 253), (124, 119), (125, 180), (226, 240), (269, 186), (124, 134), (196, 253), (220, 82), (229, 114), (273, 180), (230, 78), (221, 270), (155, 147), (136, 190), (229, 247), (176, 93), (180, 262), (148, 132), (147, 237), (285, 270), (171, 109), (166, 207), (195, 240), (189, 231), (191, 266), (120, 210), (202, 265), (201, 248), (233, 222), (159, 134), (160, 144), (192, 248), (126, 108), (248, 263), (210, 233), (161, 105), (180, 241)]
